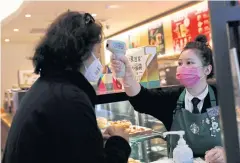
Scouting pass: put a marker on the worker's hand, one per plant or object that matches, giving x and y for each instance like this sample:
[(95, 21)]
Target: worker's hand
[(116, 66), (131, 86), (116, 131), (215, 155)]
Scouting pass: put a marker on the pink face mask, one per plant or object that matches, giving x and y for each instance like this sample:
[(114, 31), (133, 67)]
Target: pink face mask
[(188, 76)]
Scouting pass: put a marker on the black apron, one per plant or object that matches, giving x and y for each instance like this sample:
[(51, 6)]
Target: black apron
[(202, 131)]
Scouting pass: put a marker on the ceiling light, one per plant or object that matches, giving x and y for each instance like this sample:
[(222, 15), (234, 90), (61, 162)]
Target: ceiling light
[(15, 30), (28, 15), (7, 40), (113, 6), (94, 15)]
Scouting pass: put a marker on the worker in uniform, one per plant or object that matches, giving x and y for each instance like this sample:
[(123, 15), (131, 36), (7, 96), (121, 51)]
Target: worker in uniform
[(192, 108)]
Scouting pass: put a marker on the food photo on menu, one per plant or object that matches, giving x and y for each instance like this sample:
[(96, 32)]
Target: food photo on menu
[(156, 37)]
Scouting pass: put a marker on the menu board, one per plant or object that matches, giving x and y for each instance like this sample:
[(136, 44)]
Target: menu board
[(156, 37), (186, 25)]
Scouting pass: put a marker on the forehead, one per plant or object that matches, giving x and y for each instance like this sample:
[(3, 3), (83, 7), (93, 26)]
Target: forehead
[(189, 55)]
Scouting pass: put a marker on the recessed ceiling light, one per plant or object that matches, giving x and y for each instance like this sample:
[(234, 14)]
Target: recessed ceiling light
[(15, 30), (7, 40), (94, 15), (113, 6), (28, 15)]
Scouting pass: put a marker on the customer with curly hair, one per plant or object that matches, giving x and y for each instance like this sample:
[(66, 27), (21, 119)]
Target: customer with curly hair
[(56, 121)]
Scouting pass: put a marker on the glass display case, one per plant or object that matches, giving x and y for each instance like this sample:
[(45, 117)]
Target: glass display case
[(146, 147)]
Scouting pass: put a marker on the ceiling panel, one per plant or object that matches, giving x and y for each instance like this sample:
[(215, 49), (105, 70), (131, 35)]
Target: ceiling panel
[(44, 12)]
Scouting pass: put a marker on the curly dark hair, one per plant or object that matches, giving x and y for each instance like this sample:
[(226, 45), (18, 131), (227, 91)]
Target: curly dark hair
[(202, 48), (68, 42)]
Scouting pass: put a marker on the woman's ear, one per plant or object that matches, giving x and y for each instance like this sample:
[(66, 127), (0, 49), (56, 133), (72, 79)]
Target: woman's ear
[(208, 70), (97, 50)]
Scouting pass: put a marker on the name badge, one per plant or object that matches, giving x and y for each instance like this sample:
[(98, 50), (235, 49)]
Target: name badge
[(213, 112)]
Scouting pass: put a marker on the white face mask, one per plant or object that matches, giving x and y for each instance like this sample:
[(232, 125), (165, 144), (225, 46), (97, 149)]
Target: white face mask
[(94, 70)]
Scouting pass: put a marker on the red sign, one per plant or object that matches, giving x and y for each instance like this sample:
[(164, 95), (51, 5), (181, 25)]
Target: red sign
[(186, 26)]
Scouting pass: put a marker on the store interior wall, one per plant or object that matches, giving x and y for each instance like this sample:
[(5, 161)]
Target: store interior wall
[(14, 58)]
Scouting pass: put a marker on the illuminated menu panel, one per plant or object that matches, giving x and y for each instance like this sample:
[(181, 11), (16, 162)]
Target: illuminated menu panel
[(186, 25), (170, 33)]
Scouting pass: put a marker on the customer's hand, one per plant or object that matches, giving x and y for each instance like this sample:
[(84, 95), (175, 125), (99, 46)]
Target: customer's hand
[(116, 131), (105, 136), (215, 155)]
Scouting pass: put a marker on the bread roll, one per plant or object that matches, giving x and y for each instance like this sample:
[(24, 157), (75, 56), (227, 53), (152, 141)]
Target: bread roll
[(102, 122)]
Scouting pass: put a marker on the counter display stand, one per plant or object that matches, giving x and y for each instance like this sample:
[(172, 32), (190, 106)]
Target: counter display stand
[(147, 147)]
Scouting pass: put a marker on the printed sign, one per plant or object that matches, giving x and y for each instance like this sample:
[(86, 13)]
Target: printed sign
[(138, 63)]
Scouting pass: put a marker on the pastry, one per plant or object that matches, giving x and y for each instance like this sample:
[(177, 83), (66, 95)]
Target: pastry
[(130, 160), (102, 122), (137, 130), (123, 124), (129, 128)]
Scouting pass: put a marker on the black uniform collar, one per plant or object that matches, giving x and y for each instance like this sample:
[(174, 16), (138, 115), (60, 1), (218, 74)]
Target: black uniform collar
[(74, 77)]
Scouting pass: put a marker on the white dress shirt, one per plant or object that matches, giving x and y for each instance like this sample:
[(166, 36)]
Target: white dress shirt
[(189, 97)]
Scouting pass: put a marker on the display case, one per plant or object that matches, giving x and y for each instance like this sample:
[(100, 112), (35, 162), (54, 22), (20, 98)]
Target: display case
[(147, 145)]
